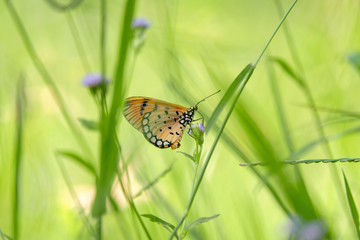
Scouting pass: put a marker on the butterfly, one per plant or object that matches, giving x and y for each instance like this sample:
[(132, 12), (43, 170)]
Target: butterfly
[(162, 123)]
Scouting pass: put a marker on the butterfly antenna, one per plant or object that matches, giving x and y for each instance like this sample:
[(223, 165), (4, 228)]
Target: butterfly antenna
[(207, 97)]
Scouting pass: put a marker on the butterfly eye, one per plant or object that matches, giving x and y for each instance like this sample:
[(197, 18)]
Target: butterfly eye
[(196, 108)]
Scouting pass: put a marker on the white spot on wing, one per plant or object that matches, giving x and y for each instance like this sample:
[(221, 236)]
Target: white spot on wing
[(146, 128)]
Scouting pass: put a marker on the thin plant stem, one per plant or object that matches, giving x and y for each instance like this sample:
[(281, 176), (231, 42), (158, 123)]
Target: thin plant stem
[(280, 110), (273, 34), (132, 205), (77, 40), (316, 115), (74, 196), (48, 79), (197, 156), (295, 56), (99, 228), (20, 105)]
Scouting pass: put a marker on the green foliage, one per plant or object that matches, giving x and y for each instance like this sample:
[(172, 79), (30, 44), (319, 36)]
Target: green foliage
[(80, 160), (89, 124), (195, 223), (258, 122), (352, 206), (166, 225)]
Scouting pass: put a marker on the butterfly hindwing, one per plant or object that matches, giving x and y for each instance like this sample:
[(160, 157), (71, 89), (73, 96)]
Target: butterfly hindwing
[(158, 120)]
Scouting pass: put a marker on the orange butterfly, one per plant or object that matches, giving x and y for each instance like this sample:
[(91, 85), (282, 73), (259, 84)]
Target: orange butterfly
[(162, 123)]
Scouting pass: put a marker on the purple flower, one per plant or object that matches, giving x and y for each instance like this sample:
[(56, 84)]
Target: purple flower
[(201, 128), (307, 230), (197, 132), (140, 23), (92, 80)]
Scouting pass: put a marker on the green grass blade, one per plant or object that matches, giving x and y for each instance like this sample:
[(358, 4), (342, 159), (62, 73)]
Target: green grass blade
[(20, 109), (153, 182), (227, 96), (317, 142), (64, 7), (158, 220), (191, 157), (286, 67), (280, 109), (133, 207), (39, 65), (246, 76), (199, 221), (89, 124), (352, 206), (109, 147), (74, 196), (80, 160)]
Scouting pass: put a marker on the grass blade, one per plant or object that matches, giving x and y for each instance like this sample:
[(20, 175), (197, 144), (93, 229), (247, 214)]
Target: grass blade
[(158, 220), (317, 142), (39, 65), (20, 108), (109, 147), (286, 67), (88, 166), (153, 182), (352, 205), (227, 96), (64, 7), (246, 74), (198, 222)]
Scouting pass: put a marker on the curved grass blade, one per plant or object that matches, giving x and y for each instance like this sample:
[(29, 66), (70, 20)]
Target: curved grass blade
[(286, 67), (187, 155), (77, 202), (166, 225), (153, 182), (284, 123), (20, 108), (48, 80), (197, 222), (64, 7), (89, 124), (88, 166), (227, 96), (317, 142), (352, 206)]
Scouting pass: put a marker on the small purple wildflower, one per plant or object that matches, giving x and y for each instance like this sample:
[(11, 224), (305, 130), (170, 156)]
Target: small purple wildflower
[(307, 230), (140, 23), (92, 80), (197, 132)]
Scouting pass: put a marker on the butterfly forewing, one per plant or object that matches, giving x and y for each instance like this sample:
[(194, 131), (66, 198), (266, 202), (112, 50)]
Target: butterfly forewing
[(158, 120)]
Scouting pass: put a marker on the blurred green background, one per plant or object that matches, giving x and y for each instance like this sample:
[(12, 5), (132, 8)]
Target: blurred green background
[(192, 49)]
